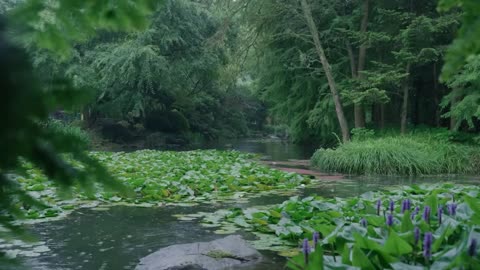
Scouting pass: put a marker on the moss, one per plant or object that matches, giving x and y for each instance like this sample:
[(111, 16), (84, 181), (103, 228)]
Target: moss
[(219, 254)]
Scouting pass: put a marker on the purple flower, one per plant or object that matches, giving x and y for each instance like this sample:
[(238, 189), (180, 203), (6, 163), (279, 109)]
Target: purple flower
[(426, 214), (472, 249), (417, 210), (416, 235), (452, 209), (316, 237), (391, 207), (389, 220), (379, 205), (409, 204), (405, 205), (427, 245), (363, 222), (440, 212), (305, 249)]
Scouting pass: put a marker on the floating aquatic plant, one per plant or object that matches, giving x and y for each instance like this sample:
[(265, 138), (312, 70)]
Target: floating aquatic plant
[(427, 245), (379, 206), (389, 220), (393, 242), (364, 222), (416, 235), (426, 214), (305, 250)]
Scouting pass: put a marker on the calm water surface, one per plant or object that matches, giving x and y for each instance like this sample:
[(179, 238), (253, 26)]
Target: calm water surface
[(118, 237)]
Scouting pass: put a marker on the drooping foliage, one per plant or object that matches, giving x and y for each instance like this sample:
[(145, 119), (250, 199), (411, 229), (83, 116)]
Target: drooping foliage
[(385, 56), (175, 71)]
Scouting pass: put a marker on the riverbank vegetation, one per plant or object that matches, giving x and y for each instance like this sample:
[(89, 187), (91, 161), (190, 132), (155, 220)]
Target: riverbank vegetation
[(425, 152)]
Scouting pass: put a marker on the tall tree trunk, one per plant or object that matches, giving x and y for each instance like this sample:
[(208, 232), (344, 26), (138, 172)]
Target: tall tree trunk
[(328, 72), (437, 95), (351, 56), (362, 54), (404, 112)]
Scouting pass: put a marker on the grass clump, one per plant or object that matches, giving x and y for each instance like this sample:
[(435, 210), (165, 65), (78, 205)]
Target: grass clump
[(399, 155)]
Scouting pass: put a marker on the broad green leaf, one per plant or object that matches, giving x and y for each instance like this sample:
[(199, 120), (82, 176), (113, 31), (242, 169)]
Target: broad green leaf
[(395, 245)]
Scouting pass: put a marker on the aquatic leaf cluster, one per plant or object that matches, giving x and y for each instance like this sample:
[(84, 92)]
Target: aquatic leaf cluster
[(410, 227), (159, 177)]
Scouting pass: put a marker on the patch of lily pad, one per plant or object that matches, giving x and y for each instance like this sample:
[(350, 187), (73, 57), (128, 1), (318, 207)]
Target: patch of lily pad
[(159, 178)]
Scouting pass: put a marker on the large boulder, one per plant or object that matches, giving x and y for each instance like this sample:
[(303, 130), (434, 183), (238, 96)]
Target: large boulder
[(226, 253)]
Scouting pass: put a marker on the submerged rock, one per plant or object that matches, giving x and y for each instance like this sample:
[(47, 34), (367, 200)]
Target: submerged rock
[(226, 253)]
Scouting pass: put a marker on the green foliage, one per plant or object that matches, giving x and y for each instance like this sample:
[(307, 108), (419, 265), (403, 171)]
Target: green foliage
[(464, 100), (66, 129), (399, 155), (177, 65), (58, 25), (345, 242), (467, 43), (27, 100), (25, 107)]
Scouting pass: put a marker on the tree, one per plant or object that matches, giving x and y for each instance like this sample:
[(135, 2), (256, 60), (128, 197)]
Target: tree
[(328, 72)]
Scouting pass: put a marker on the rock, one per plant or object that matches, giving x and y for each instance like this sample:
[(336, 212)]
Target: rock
[(224, 253)]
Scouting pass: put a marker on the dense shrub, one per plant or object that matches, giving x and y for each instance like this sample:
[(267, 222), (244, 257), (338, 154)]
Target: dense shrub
[(404, 155), (66, 129)]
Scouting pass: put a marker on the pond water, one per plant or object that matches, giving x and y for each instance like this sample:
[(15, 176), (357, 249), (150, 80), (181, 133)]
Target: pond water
[(117, 237)]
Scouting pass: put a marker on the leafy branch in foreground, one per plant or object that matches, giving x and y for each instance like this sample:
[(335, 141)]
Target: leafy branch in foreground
[(24, 108)]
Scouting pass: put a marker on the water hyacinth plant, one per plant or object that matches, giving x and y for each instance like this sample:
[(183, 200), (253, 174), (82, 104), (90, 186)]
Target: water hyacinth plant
[(379, 207), (393, 241), (452, 209), (364, 222), (426, 214), (389, 220), (416, 235), (427, 245), (305, 250)]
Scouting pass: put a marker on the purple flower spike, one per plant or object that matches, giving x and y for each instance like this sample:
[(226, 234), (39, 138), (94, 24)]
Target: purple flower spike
[(440, 213), (472, 249), (405, 205), (452, 209), (305, 249), (316, 237), (416, 235), (412, 215), (379, 206), (390, 220), (364, 222), (409, 204), (417, 210), (391, 207), (427, 245), (426, 214)]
